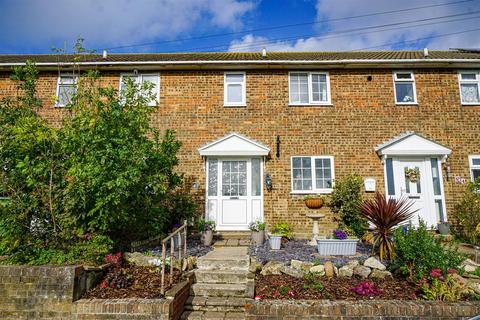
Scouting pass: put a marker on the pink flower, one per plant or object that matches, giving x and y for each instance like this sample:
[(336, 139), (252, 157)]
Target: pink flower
[(104, 284), (451, 271), (291, 293), (436, 273), (258, 298)]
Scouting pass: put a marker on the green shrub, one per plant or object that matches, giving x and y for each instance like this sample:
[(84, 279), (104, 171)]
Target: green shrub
[(467, 214), (442, 290), (105, 173), (283, 229), (345, 200), (418, 252)]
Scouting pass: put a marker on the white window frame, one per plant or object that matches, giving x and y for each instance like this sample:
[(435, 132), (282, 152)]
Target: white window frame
[(471, 165), (460, 82), (310, 91), (70, 75), (141, 75), (314, 190), (412, 81), (243, 103)]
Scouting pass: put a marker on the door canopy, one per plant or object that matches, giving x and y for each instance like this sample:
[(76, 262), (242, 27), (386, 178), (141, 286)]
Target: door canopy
[(234, 144), (411, 144)]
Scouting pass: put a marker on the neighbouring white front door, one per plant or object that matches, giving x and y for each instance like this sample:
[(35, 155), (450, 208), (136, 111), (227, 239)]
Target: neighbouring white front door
[(419, 180), (234, 192)]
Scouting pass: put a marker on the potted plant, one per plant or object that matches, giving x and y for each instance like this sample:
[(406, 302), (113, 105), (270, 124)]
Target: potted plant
[(258, 232), (338, 245), (206, 227), (443, 228), (314, 201)]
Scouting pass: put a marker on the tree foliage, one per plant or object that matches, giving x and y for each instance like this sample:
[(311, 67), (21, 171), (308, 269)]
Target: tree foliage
[(467, 214), (103, 179)]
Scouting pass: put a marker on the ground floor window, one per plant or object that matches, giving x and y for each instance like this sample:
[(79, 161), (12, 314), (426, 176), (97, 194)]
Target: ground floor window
[(474, 167), (312, 174)]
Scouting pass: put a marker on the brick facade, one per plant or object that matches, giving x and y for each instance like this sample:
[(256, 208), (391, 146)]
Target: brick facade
[(363, 114)]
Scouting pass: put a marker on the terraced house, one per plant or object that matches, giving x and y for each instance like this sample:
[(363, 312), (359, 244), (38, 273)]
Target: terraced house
[(262, 130)]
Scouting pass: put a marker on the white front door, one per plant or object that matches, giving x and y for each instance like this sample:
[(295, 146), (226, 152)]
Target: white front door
[(234, 192), (419, 180)]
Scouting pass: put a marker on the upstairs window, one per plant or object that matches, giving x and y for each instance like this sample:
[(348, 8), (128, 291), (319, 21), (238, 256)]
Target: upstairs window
[(404, 88), (66, 89), (234, 89), (474, 166), (140, 79), (309, 88), (312, 174), (469, 87)]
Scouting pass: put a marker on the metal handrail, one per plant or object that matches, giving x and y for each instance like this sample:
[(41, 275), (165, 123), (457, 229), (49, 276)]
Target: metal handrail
[(181, 244)]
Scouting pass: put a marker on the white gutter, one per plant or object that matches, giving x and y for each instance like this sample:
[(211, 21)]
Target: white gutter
[(260, 62)]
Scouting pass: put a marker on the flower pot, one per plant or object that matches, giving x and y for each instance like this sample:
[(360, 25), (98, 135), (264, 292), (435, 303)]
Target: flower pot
[(207, 237), (335, 247), (443, 228), (314, 203), (258, 237), (275, 241)]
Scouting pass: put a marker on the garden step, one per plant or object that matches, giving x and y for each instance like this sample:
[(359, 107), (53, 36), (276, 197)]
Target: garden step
[(225, 258), (225, 304), (217, 276), (219, 290)]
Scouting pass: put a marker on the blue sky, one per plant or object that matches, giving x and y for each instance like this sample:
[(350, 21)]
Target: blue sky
[(34, 26)]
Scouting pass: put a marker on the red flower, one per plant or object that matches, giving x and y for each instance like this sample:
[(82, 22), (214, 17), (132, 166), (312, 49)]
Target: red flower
[(291, 293), (451, 271), (104, 284), (436, 273)]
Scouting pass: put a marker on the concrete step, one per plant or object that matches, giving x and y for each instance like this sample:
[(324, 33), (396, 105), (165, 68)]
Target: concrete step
[(222, 276), (228, 259), (211, 315), (219, 290), (219, 304)]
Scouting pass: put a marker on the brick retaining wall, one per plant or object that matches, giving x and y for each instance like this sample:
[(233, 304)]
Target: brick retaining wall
[(47, 292), (355, 310)]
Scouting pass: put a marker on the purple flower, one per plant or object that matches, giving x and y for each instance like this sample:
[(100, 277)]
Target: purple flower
[(340, 234)]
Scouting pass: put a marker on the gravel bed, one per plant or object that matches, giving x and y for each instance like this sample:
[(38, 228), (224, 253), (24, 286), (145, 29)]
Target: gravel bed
[(195, 248), (300, 250)]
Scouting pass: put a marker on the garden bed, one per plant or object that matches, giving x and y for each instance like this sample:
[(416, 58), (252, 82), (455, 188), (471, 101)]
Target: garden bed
[(338, 288), (132, 282)]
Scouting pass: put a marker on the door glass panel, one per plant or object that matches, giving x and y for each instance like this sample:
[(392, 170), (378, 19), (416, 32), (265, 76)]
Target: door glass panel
[(439, 210), (234, 178), (256, 178), (435, 176), (390, 179), (212, 177), (412, 183)]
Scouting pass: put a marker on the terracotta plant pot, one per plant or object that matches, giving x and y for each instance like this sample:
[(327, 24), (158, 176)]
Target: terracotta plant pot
[(207, 237), (314, 203), (258, 237)]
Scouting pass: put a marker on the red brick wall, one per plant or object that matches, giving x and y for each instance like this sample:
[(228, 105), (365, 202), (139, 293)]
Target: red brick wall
[(363, 115)]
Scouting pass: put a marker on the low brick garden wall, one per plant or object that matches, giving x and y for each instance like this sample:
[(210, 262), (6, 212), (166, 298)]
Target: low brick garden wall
[(355, 310), (162, 309), (47, 292)]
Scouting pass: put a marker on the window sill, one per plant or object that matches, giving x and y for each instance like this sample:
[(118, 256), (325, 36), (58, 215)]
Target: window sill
[(406, 104), (235, 105), (476, 104), (310, 105)]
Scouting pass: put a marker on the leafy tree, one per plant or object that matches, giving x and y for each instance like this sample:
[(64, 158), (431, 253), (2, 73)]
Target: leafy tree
[(467, 214), (104, 179), (345, 201)]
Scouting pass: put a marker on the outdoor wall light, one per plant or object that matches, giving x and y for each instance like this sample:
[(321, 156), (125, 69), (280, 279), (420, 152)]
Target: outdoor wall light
[(268, 182), (278, 147)]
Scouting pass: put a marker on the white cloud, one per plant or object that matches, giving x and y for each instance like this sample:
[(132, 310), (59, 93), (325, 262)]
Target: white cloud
[(328, 40), (34, 23)]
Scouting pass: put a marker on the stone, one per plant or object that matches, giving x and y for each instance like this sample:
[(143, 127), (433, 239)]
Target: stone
[(353, 263), (296, 273), (272, 267), (362, 271), (463, 283), (255, 266), (329, 269), (373, 263), (380, 274), (320, 269), (345, 271), (301, 265), (469, 265), (138, 259)]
